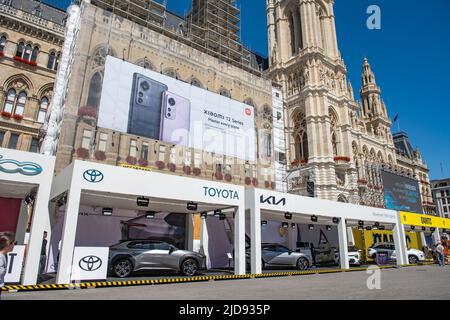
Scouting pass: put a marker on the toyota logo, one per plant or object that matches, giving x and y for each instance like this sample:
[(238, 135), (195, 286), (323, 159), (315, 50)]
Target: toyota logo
[(93, 176), (90, 263)]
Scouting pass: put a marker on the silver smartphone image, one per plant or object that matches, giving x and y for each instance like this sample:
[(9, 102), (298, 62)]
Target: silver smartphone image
[(175, 119), (145, 107)]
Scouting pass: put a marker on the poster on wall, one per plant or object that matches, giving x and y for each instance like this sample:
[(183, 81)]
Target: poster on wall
[(148, 104), (401, 193), (15, 263)]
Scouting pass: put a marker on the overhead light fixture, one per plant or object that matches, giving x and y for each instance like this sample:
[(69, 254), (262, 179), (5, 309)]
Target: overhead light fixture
[(434, 229), (381, 228), (192, 206), (293, 225), (328, 228), (263, 222), (107, 211), (368, 228), (314, 218), (336, 220), (424, 229), (204, 215), (142, 202), (149, 215), (222, 216), (311, 227), (377, 224), (217, 213), (413, 228), (285, 225), (288, 216), (361, 223)]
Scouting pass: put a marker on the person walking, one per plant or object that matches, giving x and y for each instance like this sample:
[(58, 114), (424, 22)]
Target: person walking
[(7, 243), (440, 252)]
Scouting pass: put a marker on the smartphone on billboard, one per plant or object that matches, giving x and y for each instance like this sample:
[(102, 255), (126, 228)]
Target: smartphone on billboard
[(175, 119), (145, 107)]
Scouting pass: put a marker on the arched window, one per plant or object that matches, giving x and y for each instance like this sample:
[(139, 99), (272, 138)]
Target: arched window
[(224, 92), (20, 49), (43, 107), (20, 104), (171, 73), (145, 64), (34, 55), (301, 147), (51, 60), (95, 90), (58, 56), (9, 103), (334, 144), (2, 43), (196, 83), (28, 52)]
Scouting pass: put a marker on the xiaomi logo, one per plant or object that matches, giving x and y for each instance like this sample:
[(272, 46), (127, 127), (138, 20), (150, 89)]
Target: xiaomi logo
[(248, 111)]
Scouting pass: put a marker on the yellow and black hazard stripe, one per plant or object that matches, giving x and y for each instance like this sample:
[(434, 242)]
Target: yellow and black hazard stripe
[(108, 284)]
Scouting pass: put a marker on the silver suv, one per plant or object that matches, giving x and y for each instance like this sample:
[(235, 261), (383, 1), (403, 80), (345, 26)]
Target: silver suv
[(136, 255)]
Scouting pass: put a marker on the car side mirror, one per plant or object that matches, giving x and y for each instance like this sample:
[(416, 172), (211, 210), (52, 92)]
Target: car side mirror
[(171, 249)]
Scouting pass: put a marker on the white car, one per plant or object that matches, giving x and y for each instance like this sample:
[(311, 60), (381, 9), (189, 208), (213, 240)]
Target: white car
[(414, 255), (354, 256)]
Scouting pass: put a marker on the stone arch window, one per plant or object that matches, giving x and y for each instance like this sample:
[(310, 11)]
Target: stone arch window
[(196, 83), (51, 60), (295, 27), (301, 146), (28, 52), (171, 73), (99, 56), (3, 41), (15, 103), (334, 144), (380, 157), (34, 54), (146, 64), (95, 90), (43, 108), (225, 92), (391, 161), (20, 49)]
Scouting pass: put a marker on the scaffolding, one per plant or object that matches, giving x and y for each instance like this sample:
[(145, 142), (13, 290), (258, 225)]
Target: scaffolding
[(212, 27)]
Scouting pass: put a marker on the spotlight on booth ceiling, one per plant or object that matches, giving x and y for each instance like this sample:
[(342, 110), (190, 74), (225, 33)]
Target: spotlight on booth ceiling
[(377, 224), (368, 228), (203, 215), (142, 202), (288, 216), (107, 211), (314, 219), (381, 228), (264, 223), (192, 206), (361, 223), (311, 227), (285, 225), (149, 215), (434, 229), (217, 213), (222, 216), (328, 228), (424, 229), (413, 228), (335, 220), (293, 225)]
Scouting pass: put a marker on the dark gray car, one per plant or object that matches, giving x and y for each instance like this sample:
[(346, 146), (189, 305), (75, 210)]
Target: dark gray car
[(136, 255)]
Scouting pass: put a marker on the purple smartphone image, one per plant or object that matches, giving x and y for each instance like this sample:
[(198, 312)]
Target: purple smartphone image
[(175, 119)]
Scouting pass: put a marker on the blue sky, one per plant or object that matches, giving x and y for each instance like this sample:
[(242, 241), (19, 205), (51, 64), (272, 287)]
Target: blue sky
[(409, 55)]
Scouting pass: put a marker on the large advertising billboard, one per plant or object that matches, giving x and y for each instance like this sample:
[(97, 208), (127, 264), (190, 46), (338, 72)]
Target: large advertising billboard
[(148, 104), (401, 193)]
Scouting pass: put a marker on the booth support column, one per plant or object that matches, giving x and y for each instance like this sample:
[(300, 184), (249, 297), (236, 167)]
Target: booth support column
[(40, 222), (255, 240), (190, 232), (204, 242), (22, 223), (343, 244), (436, 236), (423, 239), (239, 240), (68, 236), (400, 243)]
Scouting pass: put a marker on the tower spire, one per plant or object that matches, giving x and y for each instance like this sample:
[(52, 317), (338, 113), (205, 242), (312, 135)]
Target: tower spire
[(368, 77)]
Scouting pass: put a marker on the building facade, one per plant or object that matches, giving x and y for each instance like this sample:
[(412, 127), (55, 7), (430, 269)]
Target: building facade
[(339, 143), (160, 42), (31, 36), (441, 196)]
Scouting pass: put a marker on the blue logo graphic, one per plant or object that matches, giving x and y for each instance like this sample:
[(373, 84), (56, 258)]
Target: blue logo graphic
[(93, 176), (14, 166), (90, 263)]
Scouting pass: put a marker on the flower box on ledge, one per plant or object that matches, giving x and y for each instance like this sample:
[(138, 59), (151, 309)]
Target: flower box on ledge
[(160, 165), (187, 170), (143, 163), (20, 59), (86, 111), (172, 167), (83, 153), (6, 114), (100, 155), (228, 177), (342, 159), (2, 54), (218, 176), (363, 182), (18, 117)]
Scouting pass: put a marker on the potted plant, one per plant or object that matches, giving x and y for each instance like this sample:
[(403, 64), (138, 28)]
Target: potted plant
[(6, 114), (143, 162), (83, 153), (131, 160), (218, 175), (266, 184), (172, 167), (187, 170), (87, 111), (100, 155), (255, 182), (160, 165), (273, 185), (294, 162), (228, 177), (197, 172), (248, 181), (304, 161), (18, 117)]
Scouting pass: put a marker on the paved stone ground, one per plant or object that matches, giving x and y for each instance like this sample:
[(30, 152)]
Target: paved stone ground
[(423, 282)]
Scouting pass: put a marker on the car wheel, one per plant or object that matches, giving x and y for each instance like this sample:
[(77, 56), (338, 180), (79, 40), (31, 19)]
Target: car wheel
[(302, 264), (122, 268), (189, 267), (413, 259)]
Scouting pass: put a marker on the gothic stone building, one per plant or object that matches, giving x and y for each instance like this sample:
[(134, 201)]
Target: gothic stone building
[(31, 36), (337, 142)]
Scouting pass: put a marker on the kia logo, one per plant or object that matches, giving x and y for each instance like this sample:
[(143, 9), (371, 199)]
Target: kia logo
[(93, 176), (90, 263), (272, 200)]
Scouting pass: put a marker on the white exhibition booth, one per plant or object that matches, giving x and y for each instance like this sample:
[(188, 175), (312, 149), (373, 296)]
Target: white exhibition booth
[(273, 205), (92, 184), (23, 174)]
